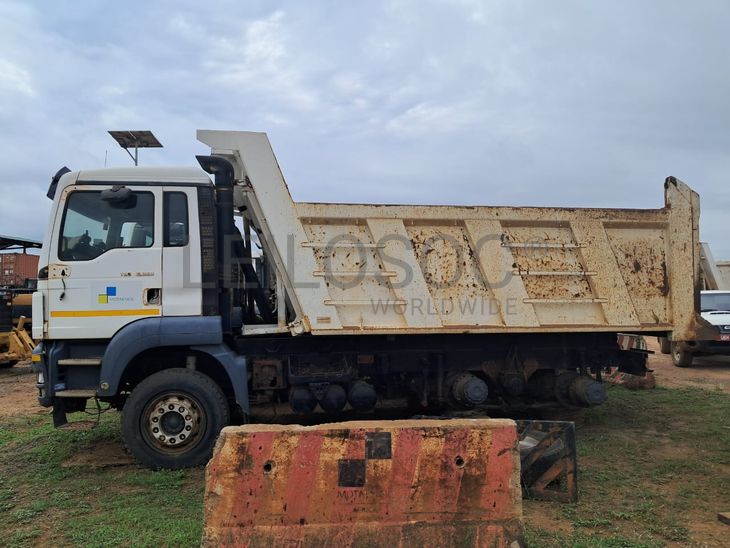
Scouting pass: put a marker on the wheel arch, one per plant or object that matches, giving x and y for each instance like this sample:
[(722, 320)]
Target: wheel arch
[(133, 346)]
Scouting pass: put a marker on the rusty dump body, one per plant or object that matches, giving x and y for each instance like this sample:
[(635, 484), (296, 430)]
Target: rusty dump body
[(399, 269), (485, 269)]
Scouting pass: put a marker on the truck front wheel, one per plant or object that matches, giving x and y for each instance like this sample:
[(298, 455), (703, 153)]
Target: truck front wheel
[(680, 357), (172, 419)]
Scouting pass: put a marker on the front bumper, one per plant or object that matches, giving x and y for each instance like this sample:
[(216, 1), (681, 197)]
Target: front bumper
[(720, 345)]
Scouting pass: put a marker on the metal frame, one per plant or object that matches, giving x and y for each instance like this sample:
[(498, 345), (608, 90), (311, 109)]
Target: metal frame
[(549, 467)]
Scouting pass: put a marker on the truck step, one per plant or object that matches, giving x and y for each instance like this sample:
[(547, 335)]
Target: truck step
[(92, 362), (79, 393)]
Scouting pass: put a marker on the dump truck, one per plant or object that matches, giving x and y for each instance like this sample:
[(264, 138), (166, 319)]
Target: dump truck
[(189, 303)]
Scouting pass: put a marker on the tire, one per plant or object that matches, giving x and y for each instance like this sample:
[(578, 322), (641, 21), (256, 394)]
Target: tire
[(172, 419), (664, 345), (680, 357)]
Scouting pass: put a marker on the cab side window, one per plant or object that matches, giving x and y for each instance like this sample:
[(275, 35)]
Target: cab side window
[(175, 216), (92, 226)]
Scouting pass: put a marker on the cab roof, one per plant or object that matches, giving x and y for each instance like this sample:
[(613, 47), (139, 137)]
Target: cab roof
[(178, 175)]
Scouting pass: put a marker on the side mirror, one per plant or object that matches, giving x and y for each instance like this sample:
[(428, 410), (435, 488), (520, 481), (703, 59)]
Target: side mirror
[(119, 197), (54, 181)]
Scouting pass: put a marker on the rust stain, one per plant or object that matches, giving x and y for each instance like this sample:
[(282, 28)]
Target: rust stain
[(643, 265)]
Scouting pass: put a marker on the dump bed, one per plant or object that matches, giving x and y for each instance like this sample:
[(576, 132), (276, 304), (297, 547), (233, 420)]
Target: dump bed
[(441, 269)]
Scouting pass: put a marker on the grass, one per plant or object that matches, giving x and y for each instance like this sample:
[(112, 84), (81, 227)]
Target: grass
[(652, 464), (46, 503)]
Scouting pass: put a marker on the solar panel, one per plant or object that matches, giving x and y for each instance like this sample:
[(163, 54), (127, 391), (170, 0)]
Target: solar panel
[(138, 139)]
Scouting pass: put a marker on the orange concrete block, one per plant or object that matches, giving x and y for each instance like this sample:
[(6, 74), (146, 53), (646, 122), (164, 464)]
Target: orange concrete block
[(380, 483)]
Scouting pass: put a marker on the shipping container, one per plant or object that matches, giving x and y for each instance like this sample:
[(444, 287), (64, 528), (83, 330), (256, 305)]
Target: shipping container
[(16, 268)]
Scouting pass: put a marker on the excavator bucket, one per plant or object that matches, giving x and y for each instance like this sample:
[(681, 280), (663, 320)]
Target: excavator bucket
[(16, 344), (380, 483)]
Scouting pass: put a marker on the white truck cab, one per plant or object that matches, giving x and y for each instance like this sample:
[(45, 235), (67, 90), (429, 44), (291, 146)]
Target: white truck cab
[(118, 237)]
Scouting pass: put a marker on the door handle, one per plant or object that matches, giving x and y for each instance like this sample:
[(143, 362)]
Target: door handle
[(152, 296)]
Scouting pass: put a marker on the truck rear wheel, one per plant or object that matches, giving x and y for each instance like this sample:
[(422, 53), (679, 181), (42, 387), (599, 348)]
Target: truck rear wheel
[(665, 347), (172, 419), (680, 357)]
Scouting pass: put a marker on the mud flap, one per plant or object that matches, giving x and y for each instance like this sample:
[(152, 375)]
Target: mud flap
[(376, 483), (549, 467), (59, 413)]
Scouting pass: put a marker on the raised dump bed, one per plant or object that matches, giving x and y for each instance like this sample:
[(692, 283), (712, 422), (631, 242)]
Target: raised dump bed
[(445, 269)]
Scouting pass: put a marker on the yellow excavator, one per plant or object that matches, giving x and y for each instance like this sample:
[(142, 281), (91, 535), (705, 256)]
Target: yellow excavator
[(15, 342)]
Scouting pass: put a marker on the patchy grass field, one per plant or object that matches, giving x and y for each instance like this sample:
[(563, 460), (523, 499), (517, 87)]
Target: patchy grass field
[(46, 499), (654, 471)]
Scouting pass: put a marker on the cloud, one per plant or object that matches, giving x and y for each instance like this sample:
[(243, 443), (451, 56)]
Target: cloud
[(441, 101), (14, 79), (426, 118)]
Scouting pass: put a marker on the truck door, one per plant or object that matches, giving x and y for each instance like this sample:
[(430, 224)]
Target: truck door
[(181, 273), (105, 260)]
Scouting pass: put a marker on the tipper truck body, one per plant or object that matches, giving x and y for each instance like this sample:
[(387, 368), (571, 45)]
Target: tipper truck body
[(189, 302)]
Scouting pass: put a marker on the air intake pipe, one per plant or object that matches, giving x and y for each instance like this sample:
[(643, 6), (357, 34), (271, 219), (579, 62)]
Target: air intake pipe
[(222, 170)]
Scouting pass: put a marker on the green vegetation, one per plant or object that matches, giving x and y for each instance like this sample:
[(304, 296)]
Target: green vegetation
[(45, 499), (652, 465)]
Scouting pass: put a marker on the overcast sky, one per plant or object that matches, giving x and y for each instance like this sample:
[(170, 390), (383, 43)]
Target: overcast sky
[(560, 103)]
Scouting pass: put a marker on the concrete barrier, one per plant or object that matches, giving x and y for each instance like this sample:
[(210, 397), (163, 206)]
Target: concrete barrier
[(381, 483)]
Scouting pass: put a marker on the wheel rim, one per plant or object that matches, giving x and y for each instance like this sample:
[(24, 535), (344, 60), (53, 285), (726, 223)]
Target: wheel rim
[(677, 354), (173, 422)]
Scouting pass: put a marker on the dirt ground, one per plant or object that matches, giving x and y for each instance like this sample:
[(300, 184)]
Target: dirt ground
[(18, 397), (709, 372)]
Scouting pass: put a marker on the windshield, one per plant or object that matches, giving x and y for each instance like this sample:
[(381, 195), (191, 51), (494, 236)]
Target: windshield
[(711, 302), (92, 226)]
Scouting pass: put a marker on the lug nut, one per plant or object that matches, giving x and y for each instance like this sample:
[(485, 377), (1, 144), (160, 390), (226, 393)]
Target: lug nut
[(155, 419), (182, 436), (155, 430), (162, 438), (171, 407), (181, 409), (188, 418)]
